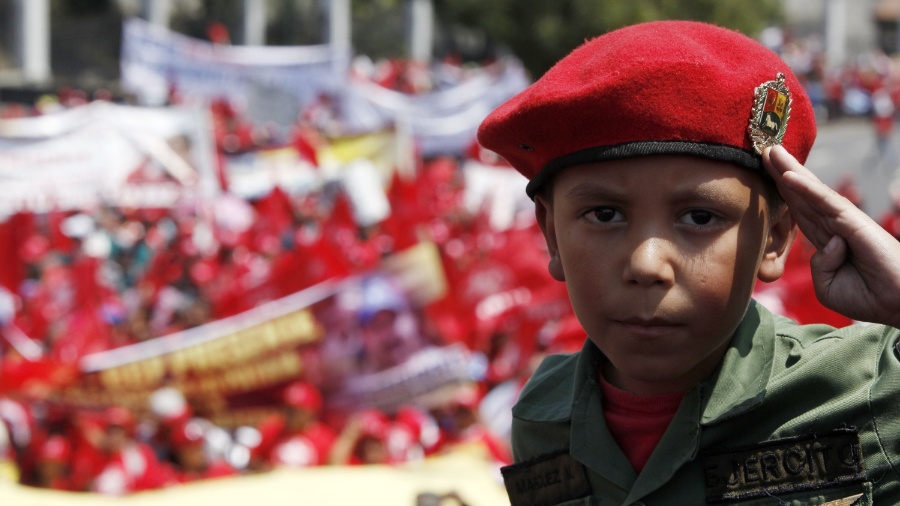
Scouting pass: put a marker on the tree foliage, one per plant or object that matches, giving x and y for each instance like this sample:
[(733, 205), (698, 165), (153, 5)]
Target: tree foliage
[(540, 32)]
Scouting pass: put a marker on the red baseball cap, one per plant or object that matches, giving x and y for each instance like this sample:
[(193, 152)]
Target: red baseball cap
[(56, 449), (300, 394), (187, 434), (663, 87), (374, 423), (120, 416)]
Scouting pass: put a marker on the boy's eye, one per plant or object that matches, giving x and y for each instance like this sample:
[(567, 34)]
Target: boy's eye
[(698, 217), (605, 215)]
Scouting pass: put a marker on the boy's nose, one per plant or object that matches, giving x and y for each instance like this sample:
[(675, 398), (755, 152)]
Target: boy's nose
[(650, 263)]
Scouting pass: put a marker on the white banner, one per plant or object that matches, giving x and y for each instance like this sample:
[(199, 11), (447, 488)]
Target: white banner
[(443, 121), (279, 83), (430, 378), (155, 60), (90, 155)]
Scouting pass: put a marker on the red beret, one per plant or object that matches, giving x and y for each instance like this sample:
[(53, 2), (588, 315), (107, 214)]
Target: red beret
[(664, 87)]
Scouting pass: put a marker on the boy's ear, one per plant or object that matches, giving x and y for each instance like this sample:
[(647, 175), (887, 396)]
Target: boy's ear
[(782, 230), (543, 211)]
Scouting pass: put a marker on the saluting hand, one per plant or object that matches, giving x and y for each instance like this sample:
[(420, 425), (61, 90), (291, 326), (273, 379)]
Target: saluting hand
[(856, 268)]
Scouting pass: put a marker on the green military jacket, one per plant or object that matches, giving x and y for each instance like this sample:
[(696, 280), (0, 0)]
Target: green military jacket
[(795, 415)]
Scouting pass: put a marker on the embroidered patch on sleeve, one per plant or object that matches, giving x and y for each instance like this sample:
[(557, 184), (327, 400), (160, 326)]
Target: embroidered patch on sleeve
[(549, 479), (815, 461)]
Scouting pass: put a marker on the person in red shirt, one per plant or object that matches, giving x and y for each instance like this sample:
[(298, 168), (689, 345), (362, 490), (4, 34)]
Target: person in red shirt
[(363, 440), (296, 436), (89, 456), (415, 434), (461, 423), (54, 464), (132, 466), (192, 459)]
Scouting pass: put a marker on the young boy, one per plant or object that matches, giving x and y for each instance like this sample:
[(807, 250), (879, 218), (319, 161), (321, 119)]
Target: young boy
[(663, 164)]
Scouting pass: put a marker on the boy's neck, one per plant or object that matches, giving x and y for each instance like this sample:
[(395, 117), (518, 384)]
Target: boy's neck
[(608, 373)]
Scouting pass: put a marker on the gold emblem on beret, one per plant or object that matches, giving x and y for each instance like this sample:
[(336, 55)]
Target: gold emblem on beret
[(769, 117)]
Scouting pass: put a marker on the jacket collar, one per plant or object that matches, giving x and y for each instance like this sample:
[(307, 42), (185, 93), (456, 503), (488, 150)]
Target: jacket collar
[(739, 385)]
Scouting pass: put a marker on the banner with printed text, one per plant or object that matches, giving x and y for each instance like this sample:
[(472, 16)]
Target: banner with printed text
[(358, 339)]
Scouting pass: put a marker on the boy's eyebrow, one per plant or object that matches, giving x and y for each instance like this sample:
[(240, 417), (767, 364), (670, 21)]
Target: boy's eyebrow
[(589, 191), (707, 191)]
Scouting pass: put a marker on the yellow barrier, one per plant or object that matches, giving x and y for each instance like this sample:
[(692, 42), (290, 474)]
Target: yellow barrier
[(465, 471)]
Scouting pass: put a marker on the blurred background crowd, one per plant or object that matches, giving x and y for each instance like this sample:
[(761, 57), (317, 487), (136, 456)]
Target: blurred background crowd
[(238, 236)]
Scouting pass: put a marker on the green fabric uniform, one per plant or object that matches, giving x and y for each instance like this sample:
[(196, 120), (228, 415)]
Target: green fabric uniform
[(776, 424)]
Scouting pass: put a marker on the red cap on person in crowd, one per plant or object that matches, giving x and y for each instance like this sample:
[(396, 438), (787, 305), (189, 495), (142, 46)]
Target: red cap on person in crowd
[(56, 449), (120, 417), (663, 87), (204, 271), (34, 248), (301, 394), (423, 427), (187, 434), (374, 423)]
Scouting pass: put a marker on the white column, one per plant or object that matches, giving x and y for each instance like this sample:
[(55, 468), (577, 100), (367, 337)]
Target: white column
[(422, 30), (158, 11), (339, 25), (254, 22), (835, 32), (340, 33), (35, 40)]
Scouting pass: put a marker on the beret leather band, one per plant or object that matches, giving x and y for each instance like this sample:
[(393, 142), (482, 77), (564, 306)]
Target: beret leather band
[(720, 152), (656, 88)]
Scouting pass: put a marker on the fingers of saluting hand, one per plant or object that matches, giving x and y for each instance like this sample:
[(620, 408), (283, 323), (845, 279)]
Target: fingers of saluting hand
[(778, 161), (819, 210), (856, 269), (830, 258)]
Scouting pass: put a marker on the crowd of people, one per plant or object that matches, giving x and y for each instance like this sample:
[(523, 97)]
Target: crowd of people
[(100, 278), (113, 452)]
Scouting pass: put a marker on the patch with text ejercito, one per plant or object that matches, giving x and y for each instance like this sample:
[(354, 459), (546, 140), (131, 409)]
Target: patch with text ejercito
[(783, 466), (548, 479)]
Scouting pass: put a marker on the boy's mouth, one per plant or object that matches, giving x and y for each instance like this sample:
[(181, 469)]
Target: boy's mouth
[(648, 322), (649, 326)]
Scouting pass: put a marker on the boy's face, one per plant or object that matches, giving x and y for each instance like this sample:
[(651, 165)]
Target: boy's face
[(660, 255)]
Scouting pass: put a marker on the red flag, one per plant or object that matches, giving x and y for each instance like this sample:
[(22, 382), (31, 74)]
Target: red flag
[(407, 213)]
